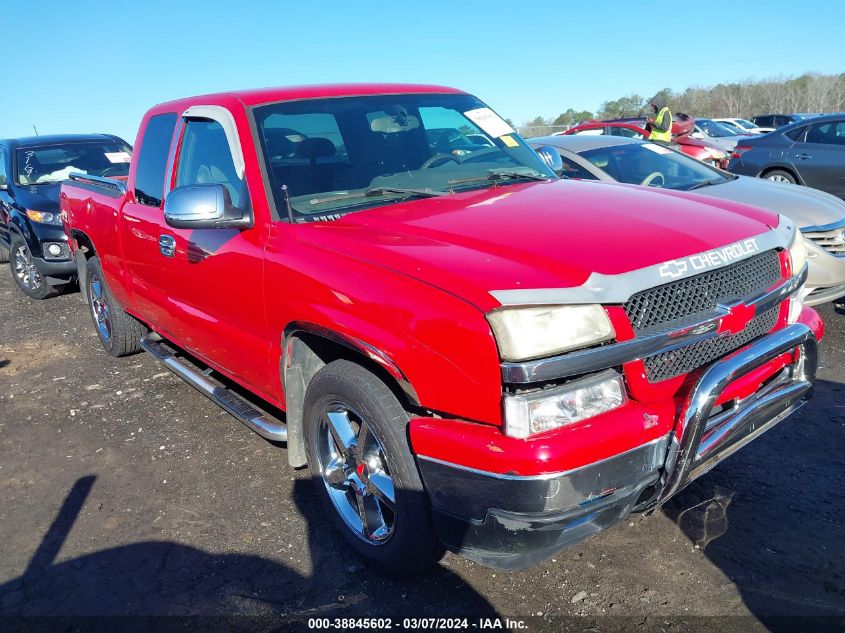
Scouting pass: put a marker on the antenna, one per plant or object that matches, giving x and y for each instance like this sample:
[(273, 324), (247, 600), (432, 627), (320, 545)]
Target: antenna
[(35, 128), (286, 193)]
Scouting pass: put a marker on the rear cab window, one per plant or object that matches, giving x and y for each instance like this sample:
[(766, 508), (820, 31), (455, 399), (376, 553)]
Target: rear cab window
[(152, 159)]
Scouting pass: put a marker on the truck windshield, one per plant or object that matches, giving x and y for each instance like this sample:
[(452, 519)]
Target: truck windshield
[(45, 164), (326, 157), (654, 165)]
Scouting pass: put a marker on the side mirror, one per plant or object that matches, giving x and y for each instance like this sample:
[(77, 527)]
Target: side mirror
[(4, 182), (551, 157), (204, 206)]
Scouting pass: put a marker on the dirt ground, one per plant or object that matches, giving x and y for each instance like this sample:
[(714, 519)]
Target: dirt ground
[(125, 492)]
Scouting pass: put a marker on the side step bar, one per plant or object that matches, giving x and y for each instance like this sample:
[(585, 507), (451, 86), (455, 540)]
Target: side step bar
[(225, 398)]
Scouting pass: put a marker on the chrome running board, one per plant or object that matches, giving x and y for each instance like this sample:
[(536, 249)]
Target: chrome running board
[(227, 399)]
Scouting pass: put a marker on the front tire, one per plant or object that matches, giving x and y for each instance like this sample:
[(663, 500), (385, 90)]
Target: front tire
[(358, 452), (119, 332), (25, 274), (779, 175), (4, 254)]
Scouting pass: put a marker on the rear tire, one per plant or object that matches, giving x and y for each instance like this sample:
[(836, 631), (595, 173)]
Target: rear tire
[(4, 254), (362, 466), (779, 175), (120, 333), (26, 276)]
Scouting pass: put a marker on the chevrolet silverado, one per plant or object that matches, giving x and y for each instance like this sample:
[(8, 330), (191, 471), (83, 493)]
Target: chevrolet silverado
[(467, 351)]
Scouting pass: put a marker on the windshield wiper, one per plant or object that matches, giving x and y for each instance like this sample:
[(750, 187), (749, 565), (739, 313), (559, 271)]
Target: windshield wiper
[(498, 175), (377, 191), (706, 183)]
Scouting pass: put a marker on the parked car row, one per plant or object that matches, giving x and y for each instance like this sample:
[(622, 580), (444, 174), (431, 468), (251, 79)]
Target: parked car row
[(696, 148), (468, 351), (819, 216)]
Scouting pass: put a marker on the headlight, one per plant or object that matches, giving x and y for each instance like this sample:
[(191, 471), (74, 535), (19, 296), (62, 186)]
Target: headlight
[(797, 253), (529, 413), (810, 249), (524, 333), (42, 217)]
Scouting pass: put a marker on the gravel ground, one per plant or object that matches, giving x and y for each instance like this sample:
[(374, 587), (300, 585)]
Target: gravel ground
[(124, 491)]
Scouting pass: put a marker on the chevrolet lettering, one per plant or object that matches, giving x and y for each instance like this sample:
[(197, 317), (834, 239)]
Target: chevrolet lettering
[(709, 259)]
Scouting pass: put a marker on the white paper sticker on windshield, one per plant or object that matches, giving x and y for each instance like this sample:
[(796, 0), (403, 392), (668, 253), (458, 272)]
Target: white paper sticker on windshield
[(657, 149), (489, 122), (118, 157)]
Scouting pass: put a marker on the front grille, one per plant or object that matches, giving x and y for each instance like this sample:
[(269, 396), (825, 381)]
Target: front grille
[(833, 241), (681, 361), (670, 305)]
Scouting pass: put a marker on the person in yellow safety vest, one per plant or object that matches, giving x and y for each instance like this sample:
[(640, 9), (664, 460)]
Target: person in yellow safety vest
[(661, 124)]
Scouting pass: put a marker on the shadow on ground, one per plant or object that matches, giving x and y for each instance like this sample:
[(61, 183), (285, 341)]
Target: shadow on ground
[(772, 490), (158, 578)]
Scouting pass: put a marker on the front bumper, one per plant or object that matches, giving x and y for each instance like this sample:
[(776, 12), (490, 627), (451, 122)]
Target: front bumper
[(56, 271), (512, 521)]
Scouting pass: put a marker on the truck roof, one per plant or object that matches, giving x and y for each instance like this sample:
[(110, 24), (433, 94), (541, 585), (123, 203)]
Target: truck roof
[(52, 139), (286, 93)]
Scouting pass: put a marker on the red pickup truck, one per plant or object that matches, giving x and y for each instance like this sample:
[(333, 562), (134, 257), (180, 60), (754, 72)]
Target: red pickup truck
[(465, 350)]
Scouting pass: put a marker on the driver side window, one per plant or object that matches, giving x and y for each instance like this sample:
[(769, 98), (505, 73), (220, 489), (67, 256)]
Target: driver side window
[(205, 157), (4, 176)]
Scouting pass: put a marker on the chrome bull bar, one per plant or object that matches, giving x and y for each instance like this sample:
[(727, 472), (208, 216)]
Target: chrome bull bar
[(702, 440)]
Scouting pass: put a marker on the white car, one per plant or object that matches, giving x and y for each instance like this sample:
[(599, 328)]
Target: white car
[(747, 126), (718, 134)]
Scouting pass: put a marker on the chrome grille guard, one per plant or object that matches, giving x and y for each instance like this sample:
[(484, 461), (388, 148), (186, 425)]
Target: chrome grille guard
[(700, 442)]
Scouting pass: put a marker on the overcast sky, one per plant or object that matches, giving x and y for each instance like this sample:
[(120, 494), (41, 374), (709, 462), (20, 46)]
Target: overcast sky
[(91, 66)]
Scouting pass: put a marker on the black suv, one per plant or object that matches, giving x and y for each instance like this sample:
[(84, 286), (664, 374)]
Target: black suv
[(779, 120), (32, 238)]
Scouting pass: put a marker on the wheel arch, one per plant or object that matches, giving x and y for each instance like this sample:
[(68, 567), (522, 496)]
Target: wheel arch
[(307, 348), (83, 251), (787, 168)]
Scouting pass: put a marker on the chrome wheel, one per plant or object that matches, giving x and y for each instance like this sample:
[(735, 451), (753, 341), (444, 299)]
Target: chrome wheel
[(28, 276), (779, 178), (354, 471), (100, 307)]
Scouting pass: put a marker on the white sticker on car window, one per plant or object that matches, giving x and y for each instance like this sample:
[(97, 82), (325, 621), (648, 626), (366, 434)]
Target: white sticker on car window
[(489, 122), (657, 149), (118, 157)]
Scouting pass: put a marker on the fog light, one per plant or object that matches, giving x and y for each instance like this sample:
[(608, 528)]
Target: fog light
[(529, 413), (54, 249)]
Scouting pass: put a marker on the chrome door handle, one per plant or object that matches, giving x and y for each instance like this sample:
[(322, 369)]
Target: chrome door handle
[(167, 245), (802, 156)]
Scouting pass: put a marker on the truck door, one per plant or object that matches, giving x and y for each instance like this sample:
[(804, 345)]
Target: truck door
[(211, 280)]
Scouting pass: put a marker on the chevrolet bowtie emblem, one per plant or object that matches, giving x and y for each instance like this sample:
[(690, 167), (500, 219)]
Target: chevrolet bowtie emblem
[(738, 317), (673, 269)]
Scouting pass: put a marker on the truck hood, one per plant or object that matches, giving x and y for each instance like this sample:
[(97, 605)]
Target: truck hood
[(39, 197), (536, 235), (802, 205)]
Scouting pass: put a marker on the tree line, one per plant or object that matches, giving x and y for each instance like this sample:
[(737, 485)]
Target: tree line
[(811, 92)]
